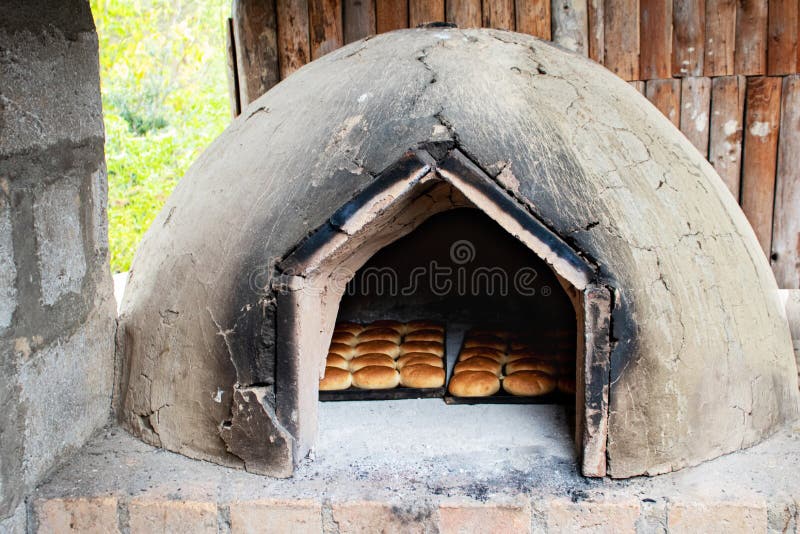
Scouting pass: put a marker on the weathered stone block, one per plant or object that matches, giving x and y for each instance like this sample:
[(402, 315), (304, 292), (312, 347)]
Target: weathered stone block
[(85, 515), (296, 516), (612, 517), (57, 222), (175, 517), (371, 516), (17, 523), (8, 270), (458, 518), (715, 516)]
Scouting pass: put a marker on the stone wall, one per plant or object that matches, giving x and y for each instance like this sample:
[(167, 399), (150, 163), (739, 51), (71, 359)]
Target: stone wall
[(57, 317)]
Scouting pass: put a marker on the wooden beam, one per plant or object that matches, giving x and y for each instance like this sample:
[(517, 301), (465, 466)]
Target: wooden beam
[(256, 40), (325, 19), (666, 96), (762, 117), (464, 13), (533, 17), (596, 36), (570, 25), (233, 76), (695, 108), (655, 40), (425, 11), (782, 44), (750, 54), (391, 15), (688, 37), (725, 132), (294, 48), (720, 37), (358, 19), (621, 21), (499, 14), (786, 225)]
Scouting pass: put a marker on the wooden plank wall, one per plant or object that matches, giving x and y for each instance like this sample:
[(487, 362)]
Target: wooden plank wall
[(723, 71)]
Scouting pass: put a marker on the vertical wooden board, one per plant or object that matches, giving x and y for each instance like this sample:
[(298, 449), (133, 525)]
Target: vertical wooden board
[(695, 107), (425, 11), (569, 24), (621, 21), (391, 15), (782, 44), (720, 37), (358, 19), (666, 96), (655, 41), (233, 78), (464, 13), (294, 49), (596, 34), (638, 85), (499, 14), (688, 37), (762, 116), (750, 53), (725, 131), (325, 23), (256, 39), (533, 17), (786, 225)]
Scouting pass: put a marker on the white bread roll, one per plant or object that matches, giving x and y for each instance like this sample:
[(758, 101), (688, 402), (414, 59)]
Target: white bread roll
[(422, 376), (376, 377), (474, 384), (335, 379), (529, 383)]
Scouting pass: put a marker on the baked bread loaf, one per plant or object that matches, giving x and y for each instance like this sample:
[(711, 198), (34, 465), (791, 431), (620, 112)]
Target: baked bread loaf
[(335, 379), (531, 364), (425, 335), (483, 352), (566, 384), (345, 351), (474, 384), (359, 362), (529, 383), (397, 326), (379, 334), (383, 347), (345, 338), (485, 341), (334, 360), (376, 377), (478, 364), (422, 346), (348, 327), (419, 358), (413, 326), (422, 376)]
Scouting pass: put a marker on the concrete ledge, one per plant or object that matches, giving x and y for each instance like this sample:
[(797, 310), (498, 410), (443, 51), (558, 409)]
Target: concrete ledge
[(119, 484)]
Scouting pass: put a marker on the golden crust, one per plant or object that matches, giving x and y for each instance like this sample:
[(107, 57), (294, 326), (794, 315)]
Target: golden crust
[(348, 327), (425, 335), (335, 379), (345, 351), (422, 346), (345, 338), (422, 376), (376, 377), (414, 326), (397, 326), (383, 347), (531, 364), (419, 358), (359, 362), (474, 384), (482, 352), (334, 360), (529, 383), (478, 364), (379, 334)]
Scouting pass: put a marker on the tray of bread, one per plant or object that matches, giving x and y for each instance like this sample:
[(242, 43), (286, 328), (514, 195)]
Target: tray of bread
[(500, 366), (384, 360)]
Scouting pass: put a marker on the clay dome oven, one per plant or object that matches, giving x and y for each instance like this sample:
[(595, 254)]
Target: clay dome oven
[(683, 349)]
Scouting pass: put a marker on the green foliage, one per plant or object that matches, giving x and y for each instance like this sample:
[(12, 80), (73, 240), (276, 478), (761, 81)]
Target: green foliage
[(165, 99)]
